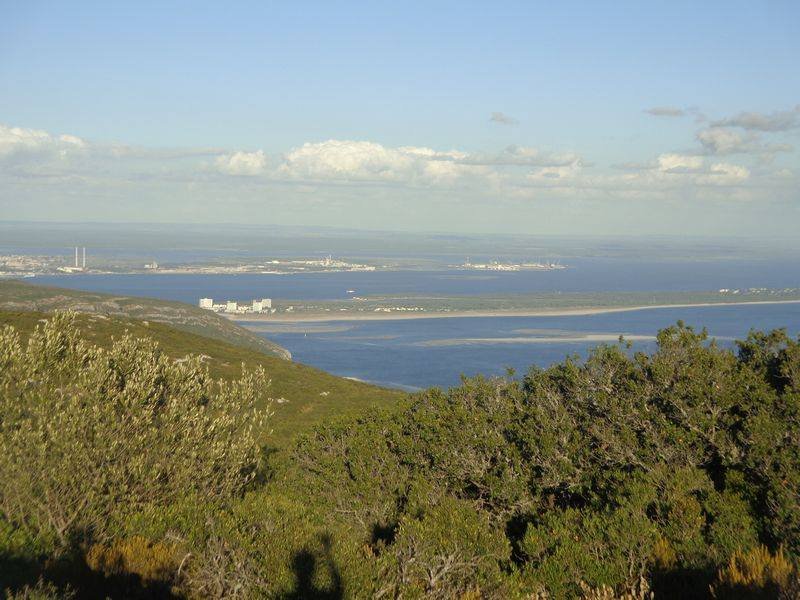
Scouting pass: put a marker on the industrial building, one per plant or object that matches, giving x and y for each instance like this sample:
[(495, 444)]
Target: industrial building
[(79, 265)]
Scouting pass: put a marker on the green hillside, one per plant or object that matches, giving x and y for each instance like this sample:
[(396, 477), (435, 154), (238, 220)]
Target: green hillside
[(303, 396), (24, 297)]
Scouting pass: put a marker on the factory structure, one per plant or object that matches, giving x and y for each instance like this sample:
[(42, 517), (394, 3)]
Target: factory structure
[(262, 306), (80, 265)]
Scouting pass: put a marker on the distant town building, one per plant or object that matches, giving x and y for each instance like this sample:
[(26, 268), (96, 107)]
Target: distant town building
[(151, 266), (262, 305), (498, 266)]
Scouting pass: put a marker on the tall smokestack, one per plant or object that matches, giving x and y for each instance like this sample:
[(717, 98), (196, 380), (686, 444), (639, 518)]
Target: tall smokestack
[(76, 257), (84, 257)]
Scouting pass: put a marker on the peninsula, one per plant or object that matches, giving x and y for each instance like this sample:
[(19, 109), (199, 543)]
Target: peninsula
[(540, 305)]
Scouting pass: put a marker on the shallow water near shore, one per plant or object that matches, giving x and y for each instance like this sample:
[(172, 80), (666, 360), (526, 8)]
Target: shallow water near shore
[(413, 354)]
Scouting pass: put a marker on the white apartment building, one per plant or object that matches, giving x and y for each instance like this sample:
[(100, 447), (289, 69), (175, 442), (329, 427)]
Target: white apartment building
[(262, 305)]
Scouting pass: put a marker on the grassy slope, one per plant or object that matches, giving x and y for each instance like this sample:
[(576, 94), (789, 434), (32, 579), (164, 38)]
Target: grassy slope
[(20, 296), (302, 387)]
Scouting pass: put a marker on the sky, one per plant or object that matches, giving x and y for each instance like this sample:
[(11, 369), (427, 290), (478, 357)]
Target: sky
[(576, 118)]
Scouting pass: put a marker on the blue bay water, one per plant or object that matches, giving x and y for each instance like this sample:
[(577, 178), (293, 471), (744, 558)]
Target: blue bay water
[(582, 275), (398, 353), (406, 353)]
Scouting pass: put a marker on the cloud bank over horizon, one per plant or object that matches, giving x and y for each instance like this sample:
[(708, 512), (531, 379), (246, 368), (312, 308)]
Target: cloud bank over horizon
[(744, 158)]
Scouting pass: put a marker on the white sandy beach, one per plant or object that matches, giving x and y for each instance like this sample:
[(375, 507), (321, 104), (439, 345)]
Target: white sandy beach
[(545, 312)]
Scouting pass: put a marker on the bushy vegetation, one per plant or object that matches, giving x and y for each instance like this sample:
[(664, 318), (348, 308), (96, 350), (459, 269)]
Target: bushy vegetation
[(671, 475), (304, 396)]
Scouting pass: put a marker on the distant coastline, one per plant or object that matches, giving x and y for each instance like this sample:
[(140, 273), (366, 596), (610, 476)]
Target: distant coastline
[(544, 312)]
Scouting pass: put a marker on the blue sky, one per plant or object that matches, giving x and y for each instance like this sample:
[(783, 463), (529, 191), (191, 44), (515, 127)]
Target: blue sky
[(380, 115)]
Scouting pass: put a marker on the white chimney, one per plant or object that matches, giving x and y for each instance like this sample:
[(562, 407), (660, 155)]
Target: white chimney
[(84, 257), (76, 257)]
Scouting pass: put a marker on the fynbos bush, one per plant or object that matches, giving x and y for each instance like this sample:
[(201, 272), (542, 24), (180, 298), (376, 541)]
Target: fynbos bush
[(87, 434), (614, 477)]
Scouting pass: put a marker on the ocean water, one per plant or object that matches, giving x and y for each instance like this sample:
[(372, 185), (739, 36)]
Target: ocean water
[(436, 352)]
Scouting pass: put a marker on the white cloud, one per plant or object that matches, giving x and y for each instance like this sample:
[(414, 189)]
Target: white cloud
[(242, 163), (348, 160), (72, 140), (725, 174), (514, 172), (428, 153), (679, 163), (692, 170), (720, 140), (15, 141), (450, 172), (675, 173)]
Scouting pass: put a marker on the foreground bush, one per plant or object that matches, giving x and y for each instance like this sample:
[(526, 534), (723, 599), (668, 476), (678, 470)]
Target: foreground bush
[(90, 435), (444, 551), (598, 472)]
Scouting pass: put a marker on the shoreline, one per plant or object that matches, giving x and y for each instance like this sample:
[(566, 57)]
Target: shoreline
[(543, 312)]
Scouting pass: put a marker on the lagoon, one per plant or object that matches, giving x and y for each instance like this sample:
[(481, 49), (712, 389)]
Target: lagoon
[(413, 354), (417, 353)]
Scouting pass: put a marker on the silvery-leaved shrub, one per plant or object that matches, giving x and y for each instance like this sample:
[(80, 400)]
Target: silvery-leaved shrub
[(88, 435)]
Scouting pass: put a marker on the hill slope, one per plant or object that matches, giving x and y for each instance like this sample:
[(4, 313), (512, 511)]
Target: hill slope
[(20, 296), (303, 396)]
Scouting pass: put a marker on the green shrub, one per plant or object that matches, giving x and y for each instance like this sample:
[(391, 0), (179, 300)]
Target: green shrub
[(605, 548), (89, 434), (448, 550)]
